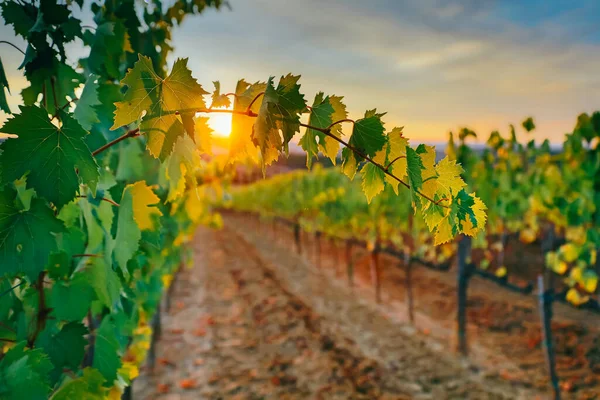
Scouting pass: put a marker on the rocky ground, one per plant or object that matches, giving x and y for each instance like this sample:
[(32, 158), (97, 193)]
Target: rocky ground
[(251, 320)]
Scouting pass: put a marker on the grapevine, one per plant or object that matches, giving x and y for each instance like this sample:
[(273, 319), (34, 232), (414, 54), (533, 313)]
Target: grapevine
[(103, 182)]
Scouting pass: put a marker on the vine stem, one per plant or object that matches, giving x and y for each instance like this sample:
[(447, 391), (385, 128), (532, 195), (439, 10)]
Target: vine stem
[(7, 291), (250, 113), (53, 85), (7, 327), (327, 132), (393, 161), (86, 255), (42, 310), (254, 100), (128, 134), (102, 199), (13, 45), (68, 103)]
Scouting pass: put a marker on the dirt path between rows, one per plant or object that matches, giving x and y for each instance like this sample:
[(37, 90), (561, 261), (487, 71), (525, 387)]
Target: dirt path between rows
[(250, 320)]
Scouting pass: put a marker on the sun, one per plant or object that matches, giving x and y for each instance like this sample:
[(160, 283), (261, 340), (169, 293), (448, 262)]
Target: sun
[(220, 123)]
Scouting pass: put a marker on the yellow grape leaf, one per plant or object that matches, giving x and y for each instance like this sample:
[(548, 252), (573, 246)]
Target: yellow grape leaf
[(183, 162), (449, 179), (331, 147), (194, 205), (155, 100), (129, 371), (527, 236), (396, 157), (569, 252), (560, 267), (479, 211), (144, 201), (241, 146), (433, 216), (443, 232), (576, 234), (350, 164), (590, 281), (203, 135), (574, 297), (501, 272)]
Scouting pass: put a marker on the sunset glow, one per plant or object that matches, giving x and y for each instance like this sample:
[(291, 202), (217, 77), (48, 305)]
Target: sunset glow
[(220, 123)]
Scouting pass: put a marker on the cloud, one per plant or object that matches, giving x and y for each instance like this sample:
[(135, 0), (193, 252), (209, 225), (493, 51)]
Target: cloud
[(433, 65)]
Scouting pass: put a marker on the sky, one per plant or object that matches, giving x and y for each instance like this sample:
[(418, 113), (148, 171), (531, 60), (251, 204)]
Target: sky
[(432, 65)]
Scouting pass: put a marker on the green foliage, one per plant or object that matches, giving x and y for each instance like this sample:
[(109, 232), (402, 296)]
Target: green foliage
[(55, 159), (93, 227)]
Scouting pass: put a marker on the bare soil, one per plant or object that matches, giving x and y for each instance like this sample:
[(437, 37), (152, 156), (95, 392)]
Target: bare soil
[(252, 320)]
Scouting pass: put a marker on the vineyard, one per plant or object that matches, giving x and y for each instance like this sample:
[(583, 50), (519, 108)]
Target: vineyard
[(122, 220)]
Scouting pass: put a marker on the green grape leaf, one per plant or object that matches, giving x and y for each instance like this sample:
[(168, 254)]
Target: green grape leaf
[(109, 45), (462, 210), (320, 117), (85, 112), (528, 124), (24, 374), (66, 347), (48, 154), (137, 213), (218, 99), (59, 265), (175, 131), (65, 79), (106, 352), (280, 111), (21, 17), (70, 300), (414, 168), (155, 100), (87, 387), (26, 237), (368, 134), (105, 282), (3, 85)]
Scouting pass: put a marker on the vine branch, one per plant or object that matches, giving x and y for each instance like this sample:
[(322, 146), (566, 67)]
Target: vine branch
[(13, 45), (387, 168), (254, 100), (7, 291), (43, 311), (103, 199), (132, 133), (250, 113)]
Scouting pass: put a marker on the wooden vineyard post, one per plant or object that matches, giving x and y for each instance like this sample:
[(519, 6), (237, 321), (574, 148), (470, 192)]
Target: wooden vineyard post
[(128, 392), (155, 323), (598, 273), (318, 248), (409, 291), (545, 301), (297, 238), (375, 272), (546, 298), (349, 264), (464, 274)]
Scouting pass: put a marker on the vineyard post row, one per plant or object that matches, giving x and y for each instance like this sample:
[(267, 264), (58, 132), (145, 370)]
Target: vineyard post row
[(465, 271)]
